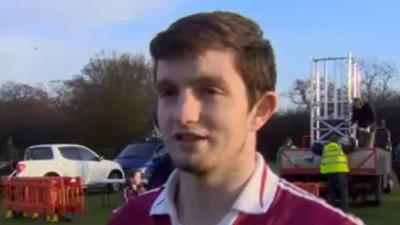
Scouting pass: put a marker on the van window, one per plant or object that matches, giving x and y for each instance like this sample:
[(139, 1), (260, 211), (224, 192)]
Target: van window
[(71, 153), (87, 155), (39, 153)]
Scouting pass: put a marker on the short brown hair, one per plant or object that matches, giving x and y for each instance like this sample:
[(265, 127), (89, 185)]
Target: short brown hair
[(193, 34)]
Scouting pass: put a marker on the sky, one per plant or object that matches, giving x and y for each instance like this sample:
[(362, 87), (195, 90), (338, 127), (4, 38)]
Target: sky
[(46, 40)]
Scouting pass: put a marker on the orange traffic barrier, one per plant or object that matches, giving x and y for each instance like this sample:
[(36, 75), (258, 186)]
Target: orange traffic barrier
[(311, 187), (47, 196), (70, 198)]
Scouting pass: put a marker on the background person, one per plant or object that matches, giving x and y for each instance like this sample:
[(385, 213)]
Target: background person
[(134, 186), (335, 166), (288, 144)]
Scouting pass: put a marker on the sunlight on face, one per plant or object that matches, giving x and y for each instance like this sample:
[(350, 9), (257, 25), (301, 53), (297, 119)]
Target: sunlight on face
[(202, 109)]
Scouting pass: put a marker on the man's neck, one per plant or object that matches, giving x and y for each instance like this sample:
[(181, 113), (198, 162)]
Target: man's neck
[(213, 194), (135, 186)]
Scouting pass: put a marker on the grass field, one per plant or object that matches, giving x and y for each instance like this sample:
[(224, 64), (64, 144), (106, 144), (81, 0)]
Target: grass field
[(96, 213), (386, 214)]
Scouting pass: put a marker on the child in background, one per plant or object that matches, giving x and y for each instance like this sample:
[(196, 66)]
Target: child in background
[(134, 186)]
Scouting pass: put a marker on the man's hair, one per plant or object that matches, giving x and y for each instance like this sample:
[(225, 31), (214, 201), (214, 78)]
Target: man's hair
[(194, 34), (333, 137), (133, 172)]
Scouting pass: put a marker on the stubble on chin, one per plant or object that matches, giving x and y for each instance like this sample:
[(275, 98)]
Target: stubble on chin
[(195, 168)]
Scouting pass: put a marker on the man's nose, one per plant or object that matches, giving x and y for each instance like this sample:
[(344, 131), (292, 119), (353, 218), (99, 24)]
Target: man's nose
[(188, 108)]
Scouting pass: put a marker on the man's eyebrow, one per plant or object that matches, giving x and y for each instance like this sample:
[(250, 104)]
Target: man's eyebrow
[(204, 80), (163, 83), (209, 81)]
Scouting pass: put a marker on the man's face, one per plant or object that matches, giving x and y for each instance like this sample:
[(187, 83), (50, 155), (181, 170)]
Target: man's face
[(357, 103), (202, 110), (137, 178)]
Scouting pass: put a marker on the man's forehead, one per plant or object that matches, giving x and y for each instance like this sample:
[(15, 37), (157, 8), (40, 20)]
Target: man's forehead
[(210, 67), (191, 80), (206, 62)]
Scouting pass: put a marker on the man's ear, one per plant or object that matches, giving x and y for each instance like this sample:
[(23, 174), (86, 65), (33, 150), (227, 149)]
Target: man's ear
[(263, 110)]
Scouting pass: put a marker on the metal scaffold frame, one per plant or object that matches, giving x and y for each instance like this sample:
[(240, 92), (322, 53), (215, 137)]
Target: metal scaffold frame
[(335, 83)]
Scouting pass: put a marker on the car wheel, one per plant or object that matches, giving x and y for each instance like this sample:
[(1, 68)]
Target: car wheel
[(114, 187), (51, 174), (389, 185), (377, 191)]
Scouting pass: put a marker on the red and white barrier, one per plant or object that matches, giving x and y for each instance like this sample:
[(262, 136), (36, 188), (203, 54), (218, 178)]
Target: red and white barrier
[(47, 196)]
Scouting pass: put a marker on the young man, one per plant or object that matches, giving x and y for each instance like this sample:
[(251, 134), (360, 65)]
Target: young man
[(215, 77)]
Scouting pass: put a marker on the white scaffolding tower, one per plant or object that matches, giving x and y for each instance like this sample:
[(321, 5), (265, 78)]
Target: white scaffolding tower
[(335, 82)]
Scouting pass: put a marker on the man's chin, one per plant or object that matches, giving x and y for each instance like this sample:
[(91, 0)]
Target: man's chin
[(194, 168)]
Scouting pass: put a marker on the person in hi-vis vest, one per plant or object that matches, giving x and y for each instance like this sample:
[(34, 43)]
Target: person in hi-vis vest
[(334, 164)]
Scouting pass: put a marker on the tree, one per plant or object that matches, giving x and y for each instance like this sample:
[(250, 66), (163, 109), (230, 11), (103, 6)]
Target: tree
[(12, 91), (378, 78), (280, 126), (28, 115), (299, 93), (112, 97)]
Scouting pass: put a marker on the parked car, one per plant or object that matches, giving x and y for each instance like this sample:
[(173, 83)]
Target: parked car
[(139, 156), (70, 160), (160, 171)]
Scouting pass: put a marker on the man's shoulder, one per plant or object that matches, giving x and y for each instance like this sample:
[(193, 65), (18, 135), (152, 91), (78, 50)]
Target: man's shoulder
[(294, 204), (138, 209)]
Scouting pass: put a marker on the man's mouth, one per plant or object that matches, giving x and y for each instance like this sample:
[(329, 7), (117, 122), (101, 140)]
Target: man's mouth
[(188, 136)]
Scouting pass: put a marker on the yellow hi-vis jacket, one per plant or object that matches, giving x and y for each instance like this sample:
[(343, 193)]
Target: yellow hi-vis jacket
[(333, 159)]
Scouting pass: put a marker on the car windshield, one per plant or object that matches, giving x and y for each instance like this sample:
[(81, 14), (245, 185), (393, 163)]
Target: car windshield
[(137, 151)]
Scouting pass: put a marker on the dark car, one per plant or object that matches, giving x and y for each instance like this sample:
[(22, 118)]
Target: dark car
[(396, 161), (138, 156)]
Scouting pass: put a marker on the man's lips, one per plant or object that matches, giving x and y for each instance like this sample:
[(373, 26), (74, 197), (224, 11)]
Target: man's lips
[(189, 136)]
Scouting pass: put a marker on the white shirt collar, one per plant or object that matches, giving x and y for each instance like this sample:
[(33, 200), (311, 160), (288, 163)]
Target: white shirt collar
[(256, 197), (259, 191), (164, 203)]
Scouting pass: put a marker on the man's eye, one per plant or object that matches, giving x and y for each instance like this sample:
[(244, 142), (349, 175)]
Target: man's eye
[(167, 93), (212, 91)]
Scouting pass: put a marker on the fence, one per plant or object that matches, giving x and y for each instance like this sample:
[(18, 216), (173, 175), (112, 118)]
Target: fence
[(48, 197)]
